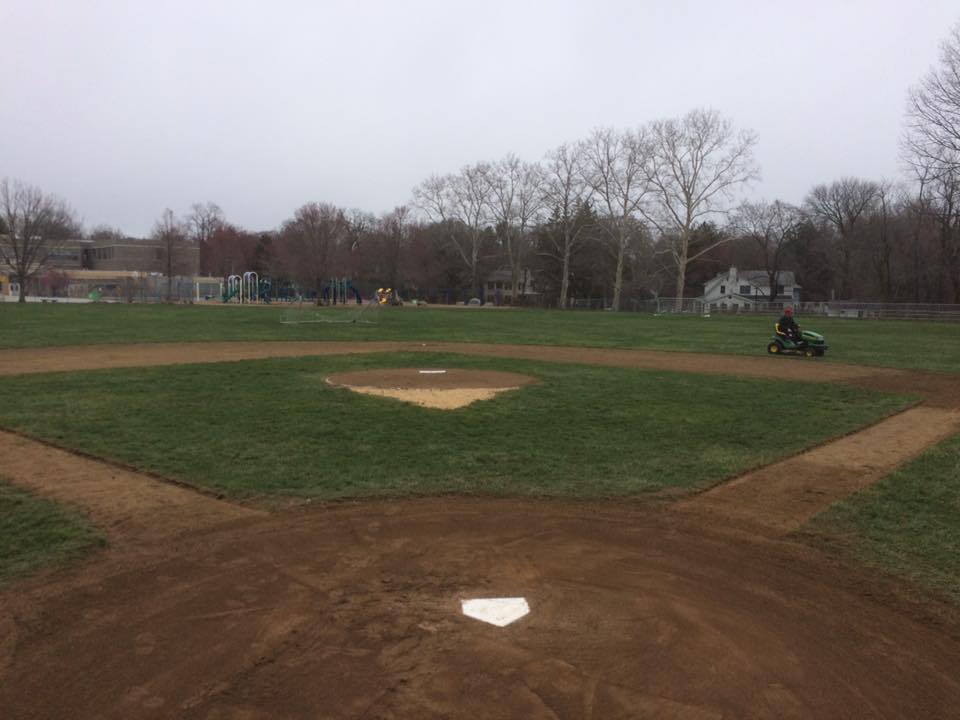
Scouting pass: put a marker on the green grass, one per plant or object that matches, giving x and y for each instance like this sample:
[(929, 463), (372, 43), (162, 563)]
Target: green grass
[(35, 533), (909, 522), (276, 427), (920, 345)]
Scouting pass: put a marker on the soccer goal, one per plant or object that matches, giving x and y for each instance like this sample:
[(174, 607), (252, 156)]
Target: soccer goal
[(305, 312)]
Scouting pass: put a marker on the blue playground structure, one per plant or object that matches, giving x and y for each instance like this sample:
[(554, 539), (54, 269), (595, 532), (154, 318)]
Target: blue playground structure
[(340, 290)]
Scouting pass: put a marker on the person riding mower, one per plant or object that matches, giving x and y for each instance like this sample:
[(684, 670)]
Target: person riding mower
[(788, 338), (787, 327)]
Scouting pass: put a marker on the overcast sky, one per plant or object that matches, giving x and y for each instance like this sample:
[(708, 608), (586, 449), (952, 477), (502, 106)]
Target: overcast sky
[(124, 108)]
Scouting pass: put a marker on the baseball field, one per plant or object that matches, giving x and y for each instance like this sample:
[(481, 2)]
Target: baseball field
[(208, 513)]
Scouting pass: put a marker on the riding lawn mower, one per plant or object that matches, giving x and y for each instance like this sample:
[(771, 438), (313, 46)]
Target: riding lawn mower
[(808, 344)]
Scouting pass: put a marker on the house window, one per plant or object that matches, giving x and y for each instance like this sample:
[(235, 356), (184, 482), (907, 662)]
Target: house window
[(723, 289), (745, 289), (779, 289)]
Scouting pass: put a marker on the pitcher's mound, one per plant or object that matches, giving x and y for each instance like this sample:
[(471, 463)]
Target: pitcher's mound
[(444, 389)]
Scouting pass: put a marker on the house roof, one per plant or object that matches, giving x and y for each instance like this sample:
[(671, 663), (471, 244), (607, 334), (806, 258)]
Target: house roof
[(759, 277)]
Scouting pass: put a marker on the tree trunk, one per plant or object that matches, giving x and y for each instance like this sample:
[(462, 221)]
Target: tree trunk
[(916, 267), (475, 269), (22, 293), (618, 277), (565, 276), (681, 285), (845, 270), (682, 270)]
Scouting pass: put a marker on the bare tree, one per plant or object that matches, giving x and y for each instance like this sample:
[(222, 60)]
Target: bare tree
[(105, 233), (395, 228), (358, 224), (310, 238), (843, 205), (696, 165), (772, 228), (515, 203), (613, 167), (34, 227), (357, 229), (203, 221), (229, 250), (171, 234), (944, 206), (933, 112), (916, 209), (564, 194), (461, 203), (932, 146), (883, 240)]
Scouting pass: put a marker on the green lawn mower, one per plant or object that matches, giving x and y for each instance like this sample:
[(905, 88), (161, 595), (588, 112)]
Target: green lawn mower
[(809, 344)]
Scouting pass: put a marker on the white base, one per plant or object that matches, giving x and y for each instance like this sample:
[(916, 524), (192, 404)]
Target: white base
[(496, 611)]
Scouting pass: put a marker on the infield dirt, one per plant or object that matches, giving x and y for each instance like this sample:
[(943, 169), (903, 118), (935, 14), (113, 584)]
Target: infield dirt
[(204, 609)]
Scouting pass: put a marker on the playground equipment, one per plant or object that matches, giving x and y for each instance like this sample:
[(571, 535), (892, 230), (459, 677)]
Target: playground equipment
[(250, 287), (266, 291), (340, 290), (246, 288), (388, 296), (234, 283)]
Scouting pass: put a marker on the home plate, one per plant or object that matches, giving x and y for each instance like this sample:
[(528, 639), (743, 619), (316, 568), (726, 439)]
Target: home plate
[(496, 611)]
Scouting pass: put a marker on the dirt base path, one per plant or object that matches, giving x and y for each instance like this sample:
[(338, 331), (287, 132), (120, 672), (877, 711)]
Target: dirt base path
[(22, 361), (94, 357), (124, 503), (353, 612), (781, 497)]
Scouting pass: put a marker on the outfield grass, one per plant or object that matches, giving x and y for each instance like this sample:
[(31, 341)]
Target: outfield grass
[(909, 522), (920, 345), (35, 532), (275, 427)]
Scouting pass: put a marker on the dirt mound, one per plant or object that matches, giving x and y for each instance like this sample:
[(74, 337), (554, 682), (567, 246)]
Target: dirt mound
[(431, 379), (442, 389)]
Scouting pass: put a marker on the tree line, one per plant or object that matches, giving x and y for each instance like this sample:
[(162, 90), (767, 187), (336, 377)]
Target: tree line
[(622, 215)]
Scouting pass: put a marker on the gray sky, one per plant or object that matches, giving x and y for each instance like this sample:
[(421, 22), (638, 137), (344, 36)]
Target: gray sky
[(125, 107)]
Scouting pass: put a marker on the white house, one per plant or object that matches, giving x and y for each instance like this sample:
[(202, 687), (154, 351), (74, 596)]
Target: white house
[(498, 290), (736, 289)]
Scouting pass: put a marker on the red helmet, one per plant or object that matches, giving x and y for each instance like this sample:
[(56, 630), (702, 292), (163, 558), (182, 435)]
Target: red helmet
[(788, 311)]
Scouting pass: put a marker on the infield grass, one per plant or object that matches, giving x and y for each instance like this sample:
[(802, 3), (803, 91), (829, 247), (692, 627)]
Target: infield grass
[(276, 427), (918, 345), (909, 522), (35, 532)]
